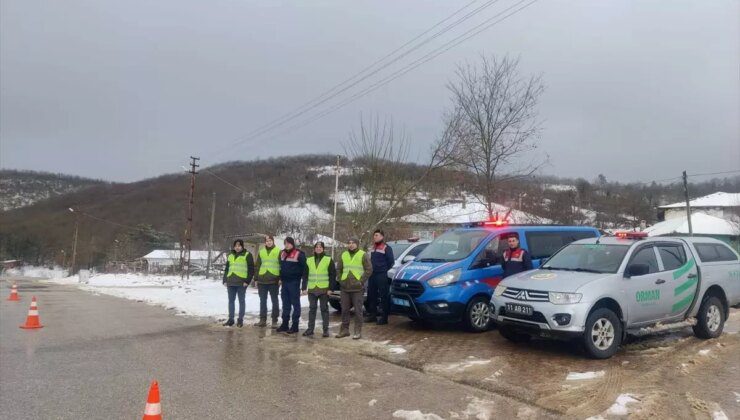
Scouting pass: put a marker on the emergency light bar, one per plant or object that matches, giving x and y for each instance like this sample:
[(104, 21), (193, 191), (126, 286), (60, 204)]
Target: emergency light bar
[(631, 235)]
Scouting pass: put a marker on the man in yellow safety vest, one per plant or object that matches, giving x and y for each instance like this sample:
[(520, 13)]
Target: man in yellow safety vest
[(320, 273), (237, 276), (353, 268), (267, 278)]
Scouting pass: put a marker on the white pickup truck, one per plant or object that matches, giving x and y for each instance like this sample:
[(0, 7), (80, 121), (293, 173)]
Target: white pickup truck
[(598, 290)]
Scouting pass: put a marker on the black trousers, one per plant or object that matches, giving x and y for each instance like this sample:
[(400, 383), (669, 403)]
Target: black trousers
[(313, 302), (233, 292), (378, 289), (272, 289), (290, 294)]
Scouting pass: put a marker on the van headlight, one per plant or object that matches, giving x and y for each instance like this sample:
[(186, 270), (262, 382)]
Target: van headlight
[(559, 298), (499, 290), (445, 279)]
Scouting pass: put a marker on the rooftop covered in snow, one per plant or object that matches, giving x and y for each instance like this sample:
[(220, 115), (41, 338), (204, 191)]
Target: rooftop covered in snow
[(701, 224), (718, 199), (459, 213)]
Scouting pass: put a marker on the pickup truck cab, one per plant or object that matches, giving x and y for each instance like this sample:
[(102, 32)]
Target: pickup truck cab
[(598, 290), (453, 278)]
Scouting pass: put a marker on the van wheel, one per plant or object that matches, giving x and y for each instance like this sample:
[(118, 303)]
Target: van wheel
[(603, 334), (513, 335), (478, 314), (711, 318), (337, 305)]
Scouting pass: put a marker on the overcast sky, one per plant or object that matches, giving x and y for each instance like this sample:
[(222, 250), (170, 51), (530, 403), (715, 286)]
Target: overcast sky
[(125, 90)]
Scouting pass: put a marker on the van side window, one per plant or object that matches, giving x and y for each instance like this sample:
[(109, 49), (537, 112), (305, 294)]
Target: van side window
[(544, 244), (715, 252), (646, 256), (417, 249), (673, 256), (488, 254)]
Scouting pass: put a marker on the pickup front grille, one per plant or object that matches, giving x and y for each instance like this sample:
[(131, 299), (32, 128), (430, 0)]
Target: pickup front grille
[(412, 288), (527, 295)]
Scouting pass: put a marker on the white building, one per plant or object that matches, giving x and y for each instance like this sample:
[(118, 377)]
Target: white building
[(720, 204)]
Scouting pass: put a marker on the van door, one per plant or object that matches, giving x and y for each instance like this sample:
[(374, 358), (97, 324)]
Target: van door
[(645, 292), (485, 267)]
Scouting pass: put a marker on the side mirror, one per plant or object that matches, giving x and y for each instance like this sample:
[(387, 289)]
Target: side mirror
[(637, 269), (408, 258)]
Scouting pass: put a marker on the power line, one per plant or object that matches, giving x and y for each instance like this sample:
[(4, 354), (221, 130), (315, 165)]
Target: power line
[(716, 173), (487, 24), (335, 91), (225, 181)]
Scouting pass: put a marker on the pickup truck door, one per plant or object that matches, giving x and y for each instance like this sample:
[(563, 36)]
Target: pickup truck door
[(682, 278), (644, 293)]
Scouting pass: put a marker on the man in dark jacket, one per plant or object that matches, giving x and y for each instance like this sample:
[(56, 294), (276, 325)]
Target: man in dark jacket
[(381, 257), (238, 274), (320, 273), (292, 268), (515, 259)]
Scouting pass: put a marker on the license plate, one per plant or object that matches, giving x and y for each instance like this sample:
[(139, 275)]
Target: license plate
[(401, 302), (515, 308)]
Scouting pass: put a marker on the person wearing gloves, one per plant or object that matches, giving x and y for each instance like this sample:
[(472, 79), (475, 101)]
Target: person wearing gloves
[(353, 268), (320, 273), (292, 269), (267, 278), (237, 276)]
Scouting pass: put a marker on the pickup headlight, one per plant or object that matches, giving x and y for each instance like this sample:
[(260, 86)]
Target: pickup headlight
[(499, 290), (445, 279), (559, 298)]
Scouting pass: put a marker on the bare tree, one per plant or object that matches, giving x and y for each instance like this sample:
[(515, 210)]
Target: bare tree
[(494, 122), (382, 153)]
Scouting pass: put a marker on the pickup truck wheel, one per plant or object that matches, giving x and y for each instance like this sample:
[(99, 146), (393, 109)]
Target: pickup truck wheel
[(337, 305), (603, 334), (513, 335), (478, 314), (711, 318)]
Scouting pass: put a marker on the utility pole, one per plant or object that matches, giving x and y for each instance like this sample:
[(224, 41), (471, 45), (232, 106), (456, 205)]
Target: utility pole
[(210, 235), (74, 244), (189, 228), (688, 205), (334, 223)]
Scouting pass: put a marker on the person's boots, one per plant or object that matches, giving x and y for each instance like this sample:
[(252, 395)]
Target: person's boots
[(228, 323), (325, 334), (262, 323), (274, 323), (283, 327), (342, 333), (382, 321), (293, 328), (357, 336), (239, 323), (371, 318), (308, 333)]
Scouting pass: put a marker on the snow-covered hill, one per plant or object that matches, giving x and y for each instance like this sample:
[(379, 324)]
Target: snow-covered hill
[(23, 188)]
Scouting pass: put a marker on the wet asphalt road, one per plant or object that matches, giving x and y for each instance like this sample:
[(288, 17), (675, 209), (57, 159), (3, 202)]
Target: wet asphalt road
[(96, 356)]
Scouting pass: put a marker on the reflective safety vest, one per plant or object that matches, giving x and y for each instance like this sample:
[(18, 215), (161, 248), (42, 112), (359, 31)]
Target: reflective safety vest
[(270, 261), (238, 265), (352, 264), (318, 276)]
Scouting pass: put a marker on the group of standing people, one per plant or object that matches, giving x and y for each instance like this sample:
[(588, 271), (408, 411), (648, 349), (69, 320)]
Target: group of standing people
[(291, 273)]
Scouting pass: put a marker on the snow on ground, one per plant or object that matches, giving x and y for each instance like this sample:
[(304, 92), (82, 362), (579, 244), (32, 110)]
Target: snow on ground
[(580, 376), (719, 415), (196, 297), (296, 212), (415, 415), (704, 352), (621, 406), (458, 366), (39, 272)]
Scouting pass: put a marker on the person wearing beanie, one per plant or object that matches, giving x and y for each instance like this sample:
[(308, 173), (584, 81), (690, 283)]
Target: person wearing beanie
[(267, 277), (237, 276), (292, 269), (320, 273), (381, 256), (353, 270)]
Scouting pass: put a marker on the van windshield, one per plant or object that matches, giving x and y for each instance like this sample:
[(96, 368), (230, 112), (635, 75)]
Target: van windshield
[(398, 248), (592, 258), (452, 246)]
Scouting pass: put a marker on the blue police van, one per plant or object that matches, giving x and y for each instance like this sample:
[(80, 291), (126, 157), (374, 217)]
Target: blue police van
[(454, 277)]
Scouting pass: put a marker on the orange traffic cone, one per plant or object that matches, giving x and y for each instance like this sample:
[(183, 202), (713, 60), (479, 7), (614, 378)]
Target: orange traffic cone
[(32, 321), (14, 293), (153, 409)]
